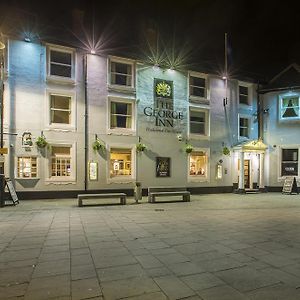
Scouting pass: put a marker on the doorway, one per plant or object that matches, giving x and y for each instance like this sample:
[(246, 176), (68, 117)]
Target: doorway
[(246, 172)]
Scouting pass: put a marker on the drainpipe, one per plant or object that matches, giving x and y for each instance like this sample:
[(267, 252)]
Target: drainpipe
[(259, 113), (86, 119)]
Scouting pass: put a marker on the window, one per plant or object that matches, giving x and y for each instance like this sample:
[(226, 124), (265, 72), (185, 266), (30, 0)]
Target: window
[(198, 161), (27, 167), (121, 73), (60, 109), (243, 95), (289, 162), (60, 63), (120, 162), (290, 108), (120, 115), (60, 161), (244, 127), (198, 122), (197, 86)]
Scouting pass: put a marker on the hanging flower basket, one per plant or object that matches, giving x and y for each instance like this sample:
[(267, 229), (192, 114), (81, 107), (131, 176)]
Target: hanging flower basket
[(189, 148), (226, 151), (41, 142), (98, 145), (140, 147)]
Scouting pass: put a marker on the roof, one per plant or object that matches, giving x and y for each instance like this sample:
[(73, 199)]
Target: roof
[(289, 78)]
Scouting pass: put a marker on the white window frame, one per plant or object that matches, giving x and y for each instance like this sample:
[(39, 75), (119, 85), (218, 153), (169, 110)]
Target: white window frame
[(119, 86), (250, 94), (280, 108), (122, 131), (199, 178), (206, 110), (17, 164), (61, 79), (193, 98), (60, 126), (60, 179), (249, 126), (124, 178), (280, 148)]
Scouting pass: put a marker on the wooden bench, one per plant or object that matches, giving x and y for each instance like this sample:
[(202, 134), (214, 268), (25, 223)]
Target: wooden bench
[(122, 197), (154, 192)]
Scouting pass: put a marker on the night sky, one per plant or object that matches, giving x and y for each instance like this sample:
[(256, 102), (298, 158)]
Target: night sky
[(263, 36)]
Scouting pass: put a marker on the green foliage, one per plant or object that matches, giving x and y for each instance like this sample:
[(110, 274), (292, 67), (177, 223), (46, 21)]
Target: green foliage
[(140, 147), (98, 145), (41, 142), (189, 148), (226, 151)]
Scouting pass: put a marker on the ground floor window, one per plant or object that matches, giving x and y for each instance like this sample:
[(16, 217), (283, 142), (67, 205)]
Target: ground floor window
[(27, 167), (289, 162), (120, 162), (198, 162), (61, 161)]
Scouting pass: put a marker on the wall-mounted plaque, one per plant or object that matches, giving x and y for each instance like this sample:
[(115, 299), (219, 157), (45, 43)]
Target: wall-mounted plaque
[(93, 170), (163, 166), (27, 139)]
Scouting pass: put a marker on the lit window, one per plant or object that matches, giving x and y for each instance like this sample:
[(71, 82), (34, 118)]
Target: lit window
[(120, 115), (289, 162), (27, 167), (243, 94), (61, 162), (120, 162), (60, 109), (197, 86), (244, 127), (60, 63), (198, 122), (121, 73), (198, 164), (290, 107)]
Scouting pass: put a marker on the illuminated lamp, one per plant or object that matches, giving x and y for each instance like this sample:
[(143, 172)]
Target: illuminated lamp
[(27, 39), (93, 51)]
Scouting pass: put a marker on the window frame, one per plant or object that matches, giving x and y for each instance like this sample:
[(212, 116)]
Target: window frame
[(280, 107), (131, 63), (241, 137), (56, 78), (194, 98), (61, 179), (206, 135), (199, 178), (17, 167), (119, 130), (249, 86), (122, 178), (73, 108), (287, 147)]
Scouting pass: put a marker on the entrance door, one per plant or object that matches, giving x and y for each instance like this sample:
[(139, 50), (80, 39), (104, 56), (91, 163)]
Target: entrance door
[(246, 172)]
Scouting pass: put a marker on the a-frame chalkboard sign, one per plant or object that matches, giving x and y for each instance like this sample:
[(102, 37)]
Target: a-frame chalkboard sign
[(290, 186), (12, 191)]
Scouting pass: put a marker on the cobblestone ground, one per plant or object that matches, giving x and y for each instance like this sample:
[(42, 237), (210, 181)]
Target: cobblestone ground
[(222, 246)]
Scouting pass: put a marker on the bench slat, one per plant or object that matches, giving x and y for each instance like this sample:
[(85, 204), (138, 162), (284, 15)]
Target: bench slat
[(122, 197)]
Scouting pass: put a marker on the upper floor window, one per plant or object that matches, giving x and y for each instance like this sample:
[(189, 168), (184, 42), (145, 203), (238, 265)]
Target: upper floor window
[(120, 115), (60, 109), (244, 127), (289, 107), (197, 86), (121, 73), (289, 162), (60, 63), (243, 95), (27, 167), (199, 121)]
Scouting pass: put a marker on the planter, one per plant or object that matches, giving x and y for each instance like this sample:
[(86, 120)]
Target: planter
[(98, 145), (140, 147), (41, 142), (189, 148)]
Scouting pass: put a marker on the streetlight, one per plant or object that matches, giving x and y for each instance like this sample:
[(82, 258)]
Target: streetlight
[(2, 201)]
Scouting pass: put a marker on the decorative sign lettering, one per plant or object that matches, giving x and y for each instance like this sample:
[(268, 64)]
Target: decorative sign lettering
[(93, 170), (290, 186), (163, 166)]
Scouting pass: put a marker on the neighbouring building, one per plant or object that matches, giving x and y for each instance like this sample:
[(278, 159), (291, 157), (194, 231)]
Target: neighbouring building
[(97, 113)]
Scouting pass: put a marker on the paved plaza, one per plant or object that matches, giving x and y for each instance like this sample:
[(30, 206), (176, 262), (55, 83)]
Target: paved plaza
[(216, 247)]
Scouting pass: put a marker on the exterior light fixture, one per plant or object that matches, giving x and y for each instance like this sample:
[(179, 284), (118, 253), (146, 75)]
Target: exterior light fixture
[(156, 67), (93, 51), (27, 39), (224, 77), (2, 46)]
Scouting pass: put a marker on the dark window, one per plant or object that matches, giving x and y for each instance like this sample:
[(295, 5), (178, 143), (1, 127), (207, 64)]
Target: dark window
[(197, 122), (121, 74), (289, 162), (60, 63), (243, 95), (244, 127), (121, 115), (197, 86)]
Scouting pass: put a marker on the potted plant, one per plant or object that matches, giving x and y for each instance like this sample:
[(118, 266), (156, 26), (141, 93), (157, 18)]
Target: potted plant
[(41, 142), (189, 148), (140, 147), (98, 145), (226, 151)]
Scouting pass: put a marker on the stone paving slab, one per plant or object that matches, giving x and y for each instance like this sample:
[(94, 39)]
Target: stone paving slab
[(226, 246)]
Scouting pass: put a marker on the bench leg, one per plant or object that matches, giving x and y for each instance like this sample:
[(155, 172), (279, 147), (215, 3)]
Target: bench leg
[(187, 198), (79, 202), (123, 200)]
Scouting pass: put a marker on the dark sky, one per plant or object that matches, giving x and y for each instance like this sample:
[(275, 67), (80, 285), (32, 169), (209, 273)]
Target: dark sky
[(264, 36)]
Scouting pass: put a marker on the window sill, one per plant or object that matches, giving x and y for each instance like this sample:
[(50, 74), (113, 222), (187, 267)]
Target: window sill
[(198, 179), (27, 178), (289, 120), (200, 100), (121, 131), (121, 88), (194, 136), (60, 80), (59, 181), (121, 180), (61, 128)]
